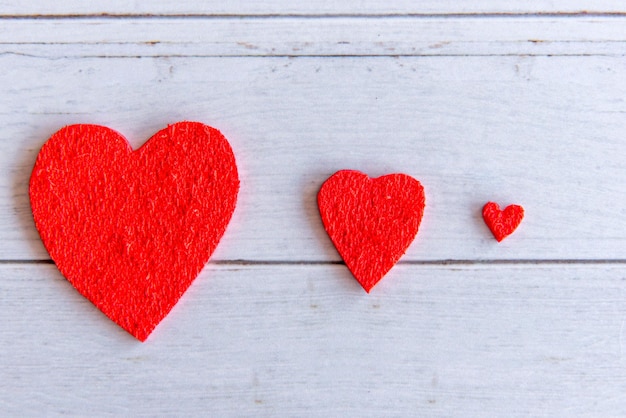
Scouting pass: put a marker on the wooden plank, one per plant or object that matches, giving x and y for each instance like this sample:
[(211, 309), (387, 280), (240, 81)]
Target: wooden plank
[(545, 132), (410, 36), (282, 7), (306, 340)]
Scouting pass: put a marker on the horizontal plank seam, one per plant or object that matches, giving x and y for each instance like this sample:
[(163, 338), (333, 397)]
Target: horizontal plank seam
[(519, 54), (446, 262), (155, 43), (116, 16)]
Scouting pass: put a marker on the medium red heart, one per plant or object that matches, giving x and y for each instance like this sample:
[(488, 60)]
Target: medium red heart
[(371, 221), (131, 230), (502, 223)]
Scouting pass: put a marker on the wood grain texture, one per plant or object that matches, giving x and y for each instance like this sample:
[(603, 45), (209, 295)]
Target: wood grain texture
[(526, 107), (284, 340), (298, 36), (543, 132), (316, 7)]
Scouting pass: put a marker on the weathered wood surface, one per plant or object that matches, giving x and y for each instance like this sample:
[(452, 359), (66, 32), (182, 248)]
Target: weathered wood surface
[(545, 132), (306, 340), (306, 36), (522, 109), (313, 7)]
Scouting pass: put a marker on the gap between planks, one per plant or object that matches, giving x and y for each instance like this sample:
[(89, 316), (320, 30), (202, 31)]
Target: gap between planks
[(451, 262), (170, 56), (568, 15)]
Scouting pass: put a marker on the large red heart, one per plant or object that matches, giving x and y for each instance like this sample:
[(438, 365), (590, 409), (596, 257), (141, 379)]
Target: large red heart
[(131, 230), (371, 221), (502, 223)]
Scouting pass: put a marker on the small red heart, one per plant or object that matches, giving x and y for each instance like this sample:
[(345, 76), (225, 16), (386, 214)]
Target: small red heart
[(131, 230), (502, 223), (371, 221)]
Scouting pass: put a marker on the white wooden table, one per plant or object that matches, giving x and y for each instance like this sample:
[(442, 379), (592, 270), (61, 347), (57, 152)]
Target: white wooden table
[(518, 102)]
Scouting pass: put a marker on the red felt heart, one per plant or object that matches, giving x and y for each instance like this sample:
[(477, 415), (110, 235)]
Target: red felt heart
[(502, 223), (371, 221), (131, 230)]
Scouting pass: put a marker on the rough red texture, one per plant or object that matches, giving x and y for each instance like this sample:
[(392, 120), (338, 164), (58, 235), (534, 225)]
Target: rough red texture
[(371, 221), (502, 223), (131, 230)]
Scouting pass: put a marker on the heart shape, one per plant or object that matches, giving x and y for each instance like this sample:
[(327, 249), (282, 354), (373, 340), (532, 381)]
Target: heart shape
[(502, 223), (131, 230), (371, 222)]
